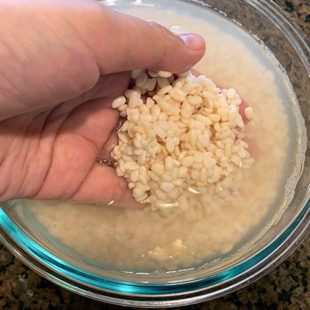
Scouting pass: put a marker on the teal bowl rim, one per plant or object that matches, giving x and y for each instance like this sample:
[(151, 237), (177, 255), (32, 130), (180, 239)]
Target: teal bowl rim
[(82, 282)]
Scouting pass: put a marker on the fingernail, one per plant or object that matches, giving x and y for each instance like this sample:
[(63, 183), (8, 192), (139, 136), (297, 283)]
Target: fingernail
[(193, 41)]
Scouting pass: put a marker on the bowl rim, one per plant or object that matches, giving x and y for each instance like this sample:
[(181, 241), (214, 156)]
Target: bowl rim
[(194, 291), (153, 295)]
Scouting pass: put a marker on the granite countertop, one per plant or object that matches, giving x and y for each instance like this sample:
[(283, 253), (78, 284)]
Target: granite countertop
[(287, 287)]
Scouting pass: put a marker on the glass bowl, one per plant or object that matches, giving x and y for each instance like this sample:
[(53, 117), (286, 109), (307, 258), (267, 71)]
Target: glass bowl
[(267, 23)]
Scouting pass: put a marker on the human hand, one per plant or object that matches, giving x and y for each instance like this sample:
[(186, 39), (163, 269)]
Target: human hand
[(62, 64)]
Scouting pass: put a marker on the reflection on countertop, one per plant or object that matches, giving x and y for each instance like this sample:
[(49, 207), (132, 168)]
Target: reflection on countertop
[(287, 287)]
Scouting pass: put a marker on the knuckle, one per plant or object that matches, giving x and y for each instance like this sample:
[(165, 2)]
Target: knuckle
[(165, 37)]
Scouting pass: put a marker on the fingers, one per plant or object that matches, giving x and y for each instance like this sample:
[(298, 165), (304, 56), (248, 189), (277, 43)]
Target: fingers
[(126, 43), (108, 86), (76, 145), (100, 184), (103, 185), (92, 121), (72, 173)]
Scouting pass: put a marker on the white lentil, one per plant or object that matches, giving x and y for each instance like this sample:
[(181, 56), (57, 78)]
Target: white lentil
[(167, 187), (131, 166), (158, 168), (135, 73), (123, 113), (161, 194), (204, 139), (183, 172), (166, 178), (187, 161), (186, 110), (239, 121), (119, 101), (188, 133), (149, 102), (150, 84), (169, 163), (152, 74), (141, 79), (177, 94), (134, 101), (134, 176), (164, 74), (123, 107), (178, 182), (231, 93), (195, 175), (131, 92), (162, 82), (170, 145), (249, 113), (164, 90), (153, 176)]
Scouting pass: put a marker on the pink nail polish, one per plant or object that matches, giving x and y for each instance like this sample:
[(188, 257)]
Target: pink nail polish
[(193, 41)]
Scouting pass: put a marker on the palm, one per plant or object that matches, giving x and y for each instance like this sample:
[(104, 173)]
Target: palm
[(56, 89), (53, 154)]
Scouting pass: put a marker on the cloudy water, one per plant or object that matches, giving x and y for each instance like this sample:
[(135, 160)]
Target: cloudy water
[(217, 226)]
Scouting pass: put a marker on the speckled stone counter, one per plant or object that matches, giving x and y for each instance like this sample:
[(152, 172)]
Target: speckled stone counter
[(287, 287)]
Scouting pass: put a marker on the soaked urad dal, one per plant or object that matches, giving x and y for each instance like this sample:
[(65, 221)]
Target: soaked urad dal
[(188, 157), (186, 139)]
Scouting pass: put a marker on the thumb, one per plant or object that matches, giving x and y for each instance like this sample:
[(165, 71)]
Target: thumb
[(127, 43)]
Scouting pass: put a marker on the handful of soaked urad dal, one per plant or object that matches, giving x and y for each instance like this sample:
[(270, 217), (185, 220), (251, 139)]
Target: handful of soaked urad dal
[(182, 136)]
